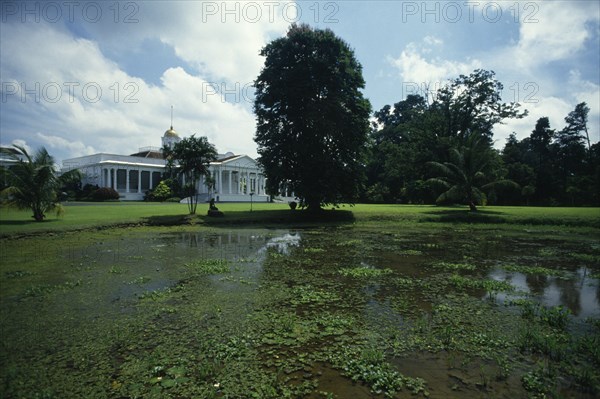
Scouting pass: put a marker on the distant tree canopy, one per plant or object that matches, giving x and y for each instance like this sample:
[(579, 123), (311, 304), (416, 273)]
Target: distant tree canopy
[(420, 130), (312, 118), (558, 167), (419, 149)]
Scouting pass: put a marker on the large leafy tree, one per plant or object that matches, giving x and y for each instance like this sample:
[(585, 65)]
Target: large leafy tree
[(312, 118), (539, 142), (400, 146), (473, 103), (420, 129), (577, 123), (33, 182), (193, 156), (570, 152), (468, 174)]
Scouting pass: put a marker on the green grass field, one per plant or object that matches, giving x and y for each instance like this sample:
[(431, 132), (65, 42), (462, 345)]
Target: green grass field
[(87, 215)]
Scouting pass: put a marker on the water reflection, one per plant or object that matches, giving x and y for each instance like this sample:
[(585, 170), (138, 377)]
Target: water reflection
[(283, 244), (231, 245), (537, 283), (579, 292)]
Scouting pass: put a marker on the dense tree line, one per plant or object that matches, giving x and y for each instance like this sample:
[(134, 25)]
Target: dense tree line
[(313, 137), (439, 148)]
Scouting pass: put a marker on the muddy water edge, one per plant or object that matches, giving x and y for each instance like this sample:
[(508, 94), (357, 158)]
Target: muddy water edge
[(351, 311)]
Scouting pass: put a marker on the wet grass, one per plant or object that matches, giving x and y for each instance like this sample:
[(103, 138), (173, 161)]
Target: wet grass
[(373, 308)]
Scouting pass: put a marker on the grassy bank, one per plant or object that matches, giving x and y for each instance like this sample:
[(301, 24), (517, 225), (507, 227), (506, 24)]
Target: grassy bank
[(88, 215)]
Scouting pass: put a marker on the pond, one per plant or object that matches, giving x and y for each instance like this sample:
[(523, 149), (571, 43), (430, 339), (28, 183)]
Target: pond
[(335, 312)]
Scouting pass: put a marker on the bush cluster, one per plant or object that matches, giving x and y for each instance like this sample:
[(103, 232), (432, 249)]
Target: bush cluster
[(105, 194)]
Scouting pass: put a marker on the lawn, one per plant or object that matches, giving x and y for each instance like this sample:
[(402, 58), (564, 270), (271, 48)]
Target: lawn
[(85, 215)]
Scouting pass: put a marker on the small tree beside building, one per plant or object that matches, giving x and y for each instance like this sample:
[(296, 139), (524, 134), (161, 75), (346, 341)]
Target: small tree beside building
[(193, 156)]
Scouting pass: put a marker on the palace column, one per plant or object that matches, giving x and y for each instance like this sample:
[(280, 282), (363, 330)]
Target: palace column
[(126, 180), (230, 176), (220, 181), (258, 184), (139, 190), (248, 182), (151, 183)]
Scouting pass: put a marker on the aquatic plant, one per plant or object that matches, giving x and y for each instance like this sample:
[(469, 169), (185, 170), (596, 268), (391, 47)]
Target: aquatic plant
[(491, 286), (364, 272), (453, 266), (409, 252), (370, 368), (18, 274), (587, 258), (313, 250), (209, 266), (307, 294), (556, 316), (534, 270)]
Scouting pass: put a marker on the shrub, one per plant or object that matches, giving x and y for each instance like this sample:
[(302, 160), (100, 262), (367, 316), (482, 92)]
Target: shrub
[(162, 191), (293, 205), (173, 199), (105, 194)]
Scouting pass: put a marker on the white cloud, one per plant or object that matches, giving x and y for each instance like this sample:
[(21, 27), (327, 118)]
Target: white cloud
[(220, 39), (432, 40), (560, 32), (549, 31), (77, 100), (552, 107), (77, 148), (414, 68)]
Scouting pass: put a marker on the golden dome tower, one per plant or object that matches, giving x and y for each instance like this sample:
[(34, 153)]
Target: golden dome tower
[(170, 138)]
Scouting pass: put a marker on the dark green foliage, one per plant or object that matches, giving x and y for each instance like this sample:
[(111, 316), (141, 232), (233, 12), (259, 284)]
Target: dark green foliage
[(415, 131), (414, 136), (555, 167), (161, 192), (473, 103), (193, 155), (105, 194), (312, 119), (34, 183), (464, 178)]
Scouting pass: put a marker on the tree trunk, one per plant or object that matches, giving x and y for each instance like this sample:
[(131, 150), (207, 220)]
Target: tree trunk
[(38, 215), (472, 206), (313, 204)]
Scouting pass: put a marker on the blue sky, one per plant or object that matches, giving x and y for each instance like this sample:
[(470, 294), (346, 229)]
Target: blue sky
[(86, 77)]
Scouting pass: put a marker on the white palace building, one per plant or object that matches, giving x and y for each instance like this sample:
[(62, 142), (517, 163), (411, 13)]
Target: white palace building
[(238, 178)]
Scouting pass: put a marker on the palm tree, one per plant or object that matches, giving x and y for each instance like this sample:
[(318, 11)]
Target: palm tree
[(33, 183), (465, 177)]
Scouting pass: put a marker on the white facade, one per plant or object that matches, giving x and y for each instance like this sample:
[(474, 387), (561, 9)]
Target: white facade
[(237, 178)]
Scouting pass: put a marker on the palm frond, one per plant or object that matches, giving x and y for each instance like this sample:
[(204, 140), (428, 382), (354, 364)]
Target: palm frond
[(504, 183)]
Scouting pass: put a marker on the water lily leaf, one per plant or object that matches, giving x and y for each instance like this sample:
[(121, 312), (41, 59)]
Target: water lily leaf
[(168, 383)]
